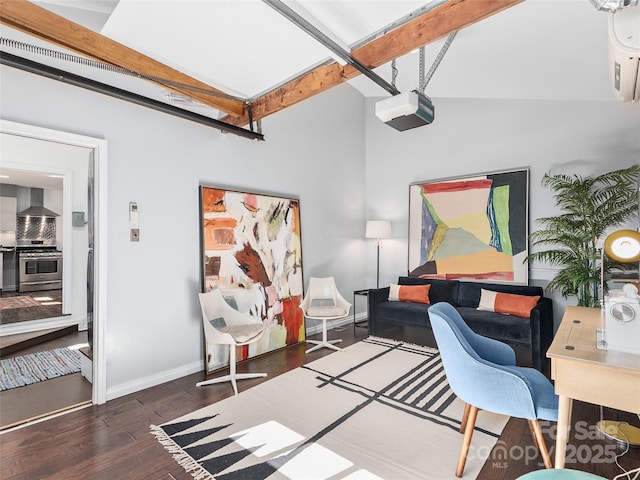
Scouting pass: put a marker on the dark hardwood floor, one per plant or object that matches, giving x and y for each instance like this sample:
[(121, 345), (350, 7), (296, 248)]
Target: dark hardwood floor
[(29, 402), (112, 441)]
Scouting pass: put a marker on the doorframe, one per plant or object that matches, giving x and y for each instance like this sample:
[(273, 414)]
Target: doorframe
[(99, 147)]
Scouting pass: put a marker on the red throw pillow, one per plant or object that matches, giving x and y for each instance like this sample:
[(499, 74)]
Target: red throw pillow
[(518, 305), (409, 293)]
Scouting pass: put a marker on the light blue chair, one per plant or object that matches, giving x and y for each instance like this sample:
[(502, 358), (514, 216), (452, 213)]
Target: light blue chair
[(482, 373)]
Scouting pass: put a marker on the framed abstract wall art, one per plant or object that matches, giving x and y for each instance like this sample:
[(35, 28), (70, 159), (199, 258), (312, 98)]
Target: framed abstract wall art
[(252, 251), (472, 228)]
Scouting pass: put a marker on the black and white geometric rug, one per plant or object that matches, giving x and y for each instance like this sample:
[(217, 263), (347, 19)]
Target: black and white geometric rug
[(380, 409)]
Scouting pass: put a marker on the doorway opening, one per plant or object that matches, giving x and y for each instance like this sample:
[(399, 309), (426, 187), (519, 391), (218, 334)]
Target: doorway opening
[(81, 300)]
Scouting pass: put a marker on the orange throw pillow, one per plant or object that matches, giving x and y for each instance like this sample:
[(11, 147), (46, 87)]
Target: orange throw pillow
[(409, 293), (518, 305)]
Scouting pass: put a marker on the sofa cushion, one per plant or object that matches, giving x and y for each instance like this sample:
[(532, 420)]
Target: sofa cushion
[(507, 328), (409, 293), (469, 292), (407, 313), (519, 305), (440, 291)]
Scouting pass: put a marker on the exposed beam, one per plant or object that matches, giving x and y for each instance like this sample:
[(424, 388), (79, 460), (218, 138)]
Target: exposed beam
[(82, 82), (40, 22), (435, 24), (298, 20)]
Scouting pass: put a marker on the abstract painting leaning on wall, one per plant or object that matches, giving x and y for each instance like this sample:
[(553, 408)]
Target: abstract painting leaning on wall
[(472, 228), (252, 251)]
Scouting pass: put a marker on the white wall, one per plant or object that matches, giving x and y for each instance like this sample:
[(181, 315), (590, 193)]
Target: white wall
[(320, 151), (477, 135), (313, 151)]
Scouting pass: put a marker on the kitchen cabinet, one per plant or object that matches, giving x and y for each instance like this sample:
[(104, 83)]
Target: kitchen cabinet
[(8, 213)]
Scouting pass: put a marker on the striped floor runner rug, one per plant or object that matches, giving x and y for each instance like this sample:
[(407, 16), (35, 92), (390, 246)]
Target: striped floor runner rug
[(380, 409), (36, 367)]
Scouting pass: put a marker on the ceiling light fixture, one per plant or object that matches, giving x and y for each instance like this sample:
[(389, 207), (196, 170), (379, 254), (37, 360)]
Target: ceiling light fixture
[(181, 100)]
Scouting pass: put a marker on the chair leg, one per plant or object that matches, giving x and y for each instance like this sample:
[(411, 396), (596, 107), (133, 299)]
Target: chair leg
[(465, 416), (324, 342), (232, 368), (207, 358), (542, 445), (468, 433), (533, 434), (233, 376)]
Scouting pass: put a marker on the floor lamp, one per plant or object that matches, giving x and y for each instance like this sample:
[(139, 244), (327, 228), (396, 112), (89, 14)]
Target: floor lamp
[(378, 229), (624, 247)]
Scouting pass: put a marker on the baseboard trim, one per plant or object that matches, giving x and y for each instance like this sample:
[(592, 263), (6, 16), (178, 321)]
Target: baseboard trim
[(153, 380), (36, 325), (169, 375), (11, 344)]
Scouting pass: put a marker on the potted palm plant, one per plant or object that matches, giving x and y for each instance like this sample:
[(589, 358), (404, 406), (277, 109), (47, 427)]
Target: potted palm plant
[(590, 207)]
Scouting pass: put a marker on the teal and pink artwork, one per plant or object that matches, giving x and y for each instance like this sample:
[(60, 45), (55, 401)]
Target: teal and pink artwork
[(472, 228)]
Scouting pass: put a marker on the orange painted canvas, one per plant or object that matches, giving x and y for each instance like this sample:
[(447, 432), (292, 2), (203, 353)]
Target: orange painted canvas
[(251, 250)]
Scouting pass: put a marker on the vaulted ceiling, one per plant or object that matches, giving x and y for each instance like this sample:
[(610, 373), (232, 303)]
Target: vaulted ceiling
[(217, 57)]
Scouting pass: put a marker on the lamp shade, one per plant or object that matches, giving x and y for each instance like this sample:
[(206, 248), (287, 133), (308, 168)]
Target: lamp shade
[(623, 246), (378, 229)]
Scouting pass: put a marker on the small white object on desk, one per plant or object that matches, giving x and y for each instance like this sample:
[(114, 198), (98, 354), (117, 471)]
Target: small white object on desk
[(622, 319)]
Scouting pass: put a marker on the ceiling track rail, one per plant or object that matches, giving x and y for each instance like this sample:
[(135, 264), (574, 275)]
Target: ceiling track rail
[(313, 31), (88, 62), (89, 84)]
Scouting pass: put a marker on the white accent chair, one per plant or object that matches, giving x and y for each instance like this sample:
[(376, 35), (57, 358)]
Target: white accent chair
[(323, 302), (226, 326)]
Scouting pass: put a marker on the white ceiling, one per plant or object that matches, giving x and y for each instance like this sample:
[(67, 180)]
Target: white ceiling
[(30, 179), (539, 49)]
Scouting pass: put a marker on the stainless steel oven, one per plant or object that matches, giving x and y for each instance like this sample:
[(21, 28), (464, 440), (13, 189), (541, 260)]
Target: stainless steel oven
[(39, 269)]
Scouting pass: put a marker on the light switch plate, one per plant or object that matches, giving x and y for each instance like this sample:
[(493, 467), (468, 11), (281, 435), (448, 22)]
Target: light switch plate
[(134, 236)]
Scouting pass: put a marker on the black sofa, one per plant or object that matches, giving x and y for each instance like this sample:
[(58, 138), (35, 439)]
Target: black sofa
[(535, 332)]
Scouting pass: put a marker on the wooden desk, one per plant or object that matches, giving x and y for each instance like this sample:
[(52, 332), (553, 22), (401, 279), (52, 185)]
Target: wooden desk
[(583, 372)]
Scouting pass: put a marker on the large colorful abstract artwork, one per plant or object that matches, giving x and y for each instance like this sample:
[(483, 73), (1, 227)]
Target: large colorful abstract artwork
[(252, 252), (472, 228)]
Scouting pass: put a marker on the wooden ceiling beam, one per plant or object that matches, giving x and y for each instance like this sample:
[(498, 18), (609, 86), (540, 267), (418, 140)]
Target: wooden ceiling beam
[(435, 24), (39, 22)]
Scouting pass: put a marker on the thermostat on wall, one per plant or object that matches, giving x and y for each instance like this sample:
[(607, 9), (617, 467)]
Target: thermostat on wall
[(133, 212)]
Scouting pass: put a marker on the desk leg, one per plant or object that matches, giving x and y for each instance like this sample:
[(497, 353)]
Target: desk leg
[(564, 425)]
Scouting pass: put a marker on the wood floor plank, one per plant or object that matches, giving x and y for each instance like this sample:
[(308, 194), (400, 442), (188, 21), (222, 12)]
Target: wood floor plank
[(113, 441)]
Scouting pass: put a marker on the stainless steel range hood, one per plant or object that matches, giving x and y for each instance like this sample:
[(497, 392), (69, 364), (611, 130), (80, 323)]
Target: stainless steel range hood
[(37, 206)]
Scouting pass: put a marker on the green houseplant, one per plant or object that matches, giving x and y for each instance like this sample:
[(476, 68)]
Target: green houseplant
[(590, 207)]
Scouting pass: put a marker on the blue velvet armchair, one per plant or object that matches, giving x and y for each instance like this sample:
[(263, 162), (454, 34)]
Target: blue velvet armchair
[(482, 373)]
